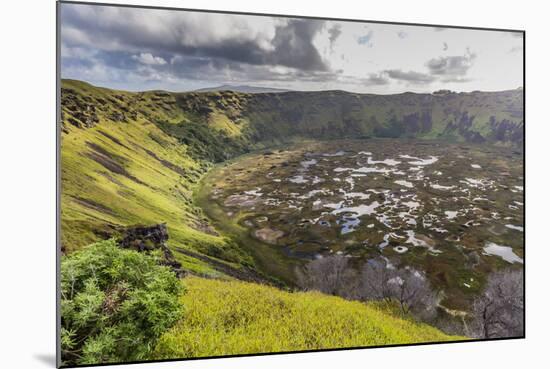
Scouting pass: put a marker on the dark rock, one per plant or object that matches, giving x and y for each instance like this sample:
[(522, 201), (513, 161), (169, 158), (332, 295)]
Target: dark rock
[(84, 115), (117, 116), (149, 238)]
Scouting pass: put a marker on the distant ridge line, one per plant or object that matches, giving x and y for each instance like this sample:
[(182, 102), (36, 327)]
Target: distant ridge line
[(242, 89)]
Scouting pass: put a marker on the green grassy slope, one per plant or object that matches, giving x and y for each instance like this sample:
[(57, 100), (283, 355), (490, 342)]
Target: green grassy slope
[(131, 158), (228, 318), (122, 170), (496, 117)]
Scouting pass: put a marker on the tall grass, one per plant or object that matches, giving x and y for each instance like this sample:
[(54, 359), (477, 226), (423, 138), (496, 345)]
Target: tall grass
[(227, 318)]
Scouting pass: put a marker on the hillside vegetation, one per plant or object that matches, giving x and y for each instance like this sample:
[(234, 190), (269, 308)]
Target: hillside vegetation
[(228, 318), (136, 158), (119, 169), (108, 295), (132, 159), (477, 117)]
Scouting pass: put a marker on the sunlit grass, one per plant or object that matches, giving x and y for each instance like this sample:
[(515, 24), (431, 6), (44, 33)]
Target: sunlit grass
[(228, 318), (96, 200)]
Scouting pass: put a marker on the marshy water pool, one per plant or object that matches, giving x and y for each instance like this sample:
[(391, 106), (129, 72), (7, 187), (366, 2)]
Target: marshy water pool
[(454, 211)]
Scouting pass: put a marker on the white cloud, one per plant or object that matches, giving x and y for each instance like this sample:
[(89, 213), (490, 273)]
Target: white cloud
[(149, 59)]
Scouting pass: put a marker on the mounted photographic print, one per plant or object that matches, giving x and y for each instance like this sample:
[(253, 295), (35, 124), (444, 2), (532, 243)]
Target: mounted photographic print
[(239, 184)]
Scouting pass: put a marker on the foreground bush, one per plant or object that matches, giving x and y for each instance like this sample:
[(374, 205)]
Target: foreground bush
[(227, 318), (115, 304)]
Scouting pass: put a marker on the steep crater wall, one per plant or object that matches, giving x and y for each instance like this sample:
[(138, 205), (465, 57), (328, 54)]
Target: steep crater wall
[(136, 157)]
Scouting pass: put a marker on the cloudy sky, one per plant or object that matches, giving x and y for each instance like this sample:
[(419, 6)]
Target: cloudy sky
[(142, 49)]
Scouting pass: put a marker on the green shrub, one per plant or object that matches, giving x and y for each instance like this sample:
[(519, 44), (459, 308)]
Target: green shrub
[(115, 304)]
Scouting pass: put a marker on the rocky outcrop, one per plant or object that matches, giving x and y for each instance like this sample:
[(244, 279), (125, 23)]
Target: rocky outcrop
[(117, 116), (150, 238), (78, 110)]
